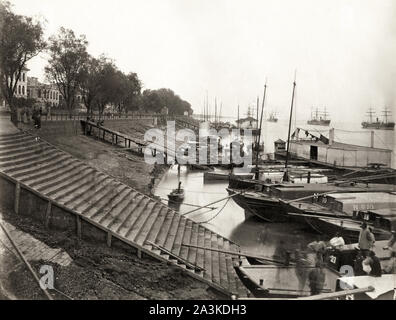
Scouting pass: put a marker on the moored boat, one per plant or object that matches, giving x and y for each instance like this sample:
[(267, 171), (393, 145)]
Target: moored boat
[(384, 287), (269, 281), (344, 213), (265, 200), (177, 195)]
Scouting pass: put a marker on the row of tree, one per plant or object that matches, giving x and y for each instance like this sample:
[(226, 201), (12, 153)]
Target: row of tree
[(75, 72)]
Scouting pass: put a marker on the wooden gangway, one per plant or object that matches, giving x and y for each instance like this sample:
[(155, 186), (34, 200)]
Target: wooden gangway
[(119, 211)]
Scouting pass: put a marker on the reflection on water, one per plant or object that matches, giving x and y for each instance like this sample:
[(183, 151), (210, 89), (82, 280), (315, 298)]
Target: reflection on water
[(228, 219)]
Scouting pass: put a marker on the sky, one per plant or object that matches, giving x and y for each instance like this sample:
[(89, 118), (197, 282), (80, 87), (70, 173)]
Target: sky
[(342, 51)]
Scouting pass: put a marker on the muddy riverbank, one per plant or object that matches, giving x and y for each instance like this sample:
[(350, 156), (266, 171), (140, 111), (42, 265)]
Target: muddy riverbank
[(99, 272)]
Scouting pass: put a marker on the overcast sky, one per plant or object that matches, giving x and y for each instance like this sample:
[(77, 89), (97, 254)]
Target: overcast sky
[(344, 50)]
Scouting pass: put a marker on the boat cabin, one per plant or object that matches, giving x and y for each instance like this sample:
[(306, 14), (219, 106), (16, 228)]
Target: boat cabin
[(354, 202), (322, 150)]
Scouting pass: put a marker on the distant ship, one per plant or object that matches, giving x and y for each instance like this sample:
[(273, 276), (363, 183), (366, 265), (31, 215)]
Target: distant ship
[(272, 117), (384, 125), (319, 118)]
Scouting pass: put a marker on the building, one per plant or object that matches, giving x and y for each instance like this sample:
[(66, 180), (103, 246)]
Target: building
[(21, 87), (46, 95)]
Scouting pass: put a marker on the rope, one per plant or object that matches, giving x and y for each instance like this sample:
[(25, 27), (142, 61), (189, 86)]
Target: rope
[(190, 204), (210, 219)]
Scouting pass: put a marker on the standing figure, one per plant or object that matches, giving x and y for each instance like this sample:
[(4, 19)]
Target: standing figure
[(366, 239), (391, 246), (317, 279), (302, 264)]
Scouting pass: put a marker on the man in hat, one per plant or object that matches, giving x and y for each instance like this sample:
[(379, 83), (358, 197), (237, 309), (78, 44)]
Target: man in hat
[(366, 239)]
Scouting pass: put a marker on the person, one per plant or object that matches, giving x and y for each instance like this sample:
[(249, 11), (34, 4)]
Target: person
[(337, 241), (317, 279), (366, 239), (281, 255), (358, 264), (391, 246), (375, 264), (302, 263), (318, 247), (372, 236)]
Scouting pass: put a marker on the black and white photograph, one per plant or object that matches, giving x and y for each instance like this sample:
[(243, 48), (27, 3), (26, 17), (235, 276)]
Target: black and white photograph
[(217, 151)]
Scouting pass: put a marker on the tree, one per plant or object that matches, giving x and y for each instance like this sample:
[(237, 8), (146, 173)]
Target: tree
[(68, 58), (90, 85), (108, 86), (128, 89), (21, 39), (155, 100)]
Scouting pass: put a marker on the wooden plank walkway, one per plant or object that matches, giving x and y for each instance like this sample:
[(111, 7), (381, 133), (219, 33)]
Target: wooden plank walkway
[(119, 210)]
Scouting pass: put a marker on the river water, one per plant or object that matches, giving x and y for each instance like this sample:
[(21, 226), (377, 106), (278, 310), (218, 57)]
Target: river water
[(254, 235)]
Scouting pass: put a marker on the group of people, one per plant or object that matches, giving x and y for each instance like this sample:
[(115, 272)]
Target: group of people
[(311, 260)]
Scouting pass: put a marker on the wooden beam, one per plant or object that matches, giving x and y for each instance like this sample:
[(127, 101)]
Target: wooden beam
[(235, 253), (78, 220), (48, 214), (109, 239), (187, 263), (337, 294), (17, 197)]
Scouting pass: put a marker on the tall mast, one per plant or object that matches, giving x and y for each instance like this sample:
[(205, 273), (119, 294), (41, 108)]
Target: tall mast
[(370, 114), (386, 112), (261, 122), (215, 118), (286, 176), (238, 117), (257, 112)]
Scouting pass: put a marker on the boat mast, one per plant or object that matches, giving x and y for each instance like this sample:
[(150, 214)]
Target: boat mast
[(286, 175), (261, 122), (386, 112), (370, 114), (238, 117), (215, 118)]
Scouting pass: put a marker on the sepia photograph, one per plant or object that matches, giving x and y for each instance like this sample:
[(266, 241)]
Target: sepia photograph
[(211, 152)]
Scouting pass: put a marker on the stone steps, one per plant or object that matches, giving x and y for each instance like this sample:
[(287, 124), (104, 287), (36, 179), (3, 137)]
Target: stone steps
[(131, 216)]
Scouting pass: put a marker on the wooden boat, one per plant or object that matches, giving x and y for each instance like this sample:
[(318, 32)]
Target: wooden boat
[(265, 200), (216, 175), (177, 195), (384, 287), (344, 213), (269, 281), (345, 255)]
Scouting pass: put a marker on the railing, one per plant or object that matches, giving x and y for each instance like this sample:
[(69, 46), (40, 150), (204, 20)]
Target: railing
[(83, 116)]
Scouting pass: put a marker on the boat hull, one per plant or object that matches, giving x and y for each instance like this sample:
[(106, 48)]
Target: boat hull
[(319, 122), (266, 208), (348, 230), (269, 281), (378, 125)]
